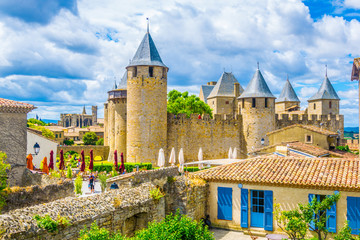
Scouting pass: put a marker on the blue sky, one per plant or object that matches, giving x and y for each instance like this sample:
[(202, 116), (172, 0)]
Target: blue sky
[(63, 54)]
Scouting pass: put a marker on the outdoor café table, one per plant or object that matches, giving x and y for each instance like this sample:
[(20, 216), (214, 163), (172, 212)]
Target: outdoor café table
[(276, 236)]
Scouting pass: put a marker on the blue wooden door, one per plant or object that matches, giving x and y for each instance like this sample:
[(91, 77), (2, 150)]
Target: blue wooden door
[(224, 203), (257, 208), (353, 214)]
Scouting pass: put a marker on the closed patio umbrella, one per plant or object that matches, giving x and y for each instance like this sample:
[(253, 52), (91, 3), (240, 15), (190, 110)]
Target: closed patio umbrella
[(161, 158), (29, 163), (230, 153), (45, 168), (181, 160), (51, 162), (172, 159), (115, 160), (234, 155), (62, 164), (91, 165), (82, 168), (122, 166), (200, 158)]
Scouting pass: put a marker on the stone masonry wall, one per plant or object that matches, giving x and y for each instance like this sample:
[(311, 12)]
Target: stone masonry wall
[(215, 136), (102, 151), (126, 210), (24, 197), (13, 140)]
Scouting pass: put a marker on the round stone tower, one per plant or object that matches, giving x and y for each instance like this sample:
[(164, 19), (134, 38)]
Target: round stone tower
[(115, 110), (147, 103), (257, 107)]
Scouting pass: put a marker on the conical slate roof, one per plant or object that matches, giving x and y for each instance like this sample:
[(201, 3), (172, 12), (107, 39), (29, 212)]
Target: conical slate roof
[(288, 94), (123, 82), (257, 87), (225, 86), (147, 54), (326, 91)]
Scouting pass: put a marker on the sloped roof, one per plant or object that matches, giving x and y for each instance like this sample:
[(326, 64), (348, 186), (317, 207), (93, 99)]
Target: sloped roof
[(326, 91), (206, 90), (225, 86), (123, 82), (322, 173), (147, 54), (288, 94), (308, 127), (257, 87), (11, 106)]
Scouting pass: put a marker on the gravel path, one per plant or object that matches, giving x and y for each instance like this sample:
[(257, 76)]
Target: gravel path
[(222, 234)]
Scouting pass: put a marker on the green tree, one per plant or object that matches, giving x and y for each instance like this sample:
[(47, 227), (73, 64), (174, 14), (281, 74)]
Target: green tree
[(69, 142), (183, 103), (47, 133), (36, 122), (90, 138), (345, 233), (100, 141)]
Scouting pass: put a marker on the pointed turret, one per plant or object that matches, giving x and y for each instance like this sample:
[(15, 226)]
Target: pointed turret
[(325, 101), (147, 54), (288, 101), (123, 82), (84, 111), (115, 85), (225, 86), (257, 88)]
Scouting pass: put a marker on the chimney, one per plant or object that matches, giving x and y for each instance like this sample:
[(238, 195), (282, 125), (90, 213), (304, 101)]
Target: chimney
[(236, 89)]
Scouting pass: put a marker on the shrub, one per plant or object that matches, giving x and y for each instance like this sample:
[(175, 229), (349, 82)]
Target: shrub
[(114, 172), (103, 177), (90, 138), (108, 166), (100, 141), (55, 174), (69, 172), (103, 167), (343, 148), (50, 225), (156, 194), (191, 169), (96, 233), (78, 184), (69, 142)]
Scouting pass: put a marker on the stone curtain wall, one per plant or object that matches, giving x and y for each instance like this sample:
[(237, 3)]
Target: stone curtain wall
[(102, 151), (352, 143), (126, 210), (13, 140), (215, 136), (330, 122), (29, 196)]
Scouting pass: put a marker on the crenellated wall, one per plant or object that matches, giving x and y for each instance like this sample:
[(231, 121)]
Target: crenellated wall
[(215, 136), (330, 122)]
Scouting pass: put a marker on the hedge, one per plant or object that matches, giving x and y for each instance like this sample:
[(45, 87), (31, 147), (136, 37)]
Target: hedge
[(101, 167)]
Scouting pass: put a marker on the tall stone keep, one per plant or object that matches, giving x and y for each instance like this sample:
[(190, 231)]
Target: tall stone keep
[(257, 107), (147, 103)]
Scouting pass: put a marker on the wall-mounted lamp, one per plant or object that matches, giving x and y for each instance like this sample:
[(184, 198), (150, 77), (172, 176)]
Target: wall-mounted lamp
[(36, 148)]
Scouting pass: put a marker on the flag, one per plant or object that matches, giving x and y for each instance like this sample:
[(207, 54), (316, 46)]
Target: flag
[(355, 70)]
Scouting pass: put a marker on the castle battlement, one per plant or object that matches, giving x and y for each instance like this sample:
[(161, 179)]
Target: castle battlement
[(205, 119), (306, 117)]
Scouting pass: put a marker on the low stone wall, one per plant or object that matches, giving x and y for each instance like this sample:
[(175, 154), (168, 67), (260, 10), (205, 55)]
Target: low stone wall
[(20, 197), (126, 210), (157, 176), (187, 195), (98, 150)]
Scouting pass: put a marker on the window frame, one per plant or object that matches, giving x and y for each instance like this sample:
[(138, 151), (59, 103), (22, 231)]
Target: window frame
[(253, 102)]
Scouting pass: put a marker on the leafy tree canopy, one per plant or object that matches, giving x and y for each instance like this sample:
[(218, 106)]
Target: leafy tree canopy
[(183, 103), (69, 142), (100, 141), (90, 138), (36, 122)]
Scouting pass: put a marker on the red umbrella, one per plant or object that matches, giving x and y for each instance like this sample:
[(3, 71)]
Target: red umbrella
[(51, 163), (62, 164), (122, 166), (82, 168), (115, 160), (91, 165)]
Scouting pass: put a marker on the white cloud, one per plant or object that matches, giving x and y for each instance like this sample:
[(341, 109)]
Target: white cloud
[(352, 4), (307, 92)]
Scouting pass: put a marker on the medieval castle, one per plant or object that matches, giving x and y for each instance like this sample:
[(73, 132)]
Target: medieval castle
[(137, 123)]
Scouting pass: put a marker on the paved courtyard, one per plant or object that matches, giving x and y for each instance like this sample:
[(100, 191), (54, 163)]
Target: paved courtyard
[(221, 234)]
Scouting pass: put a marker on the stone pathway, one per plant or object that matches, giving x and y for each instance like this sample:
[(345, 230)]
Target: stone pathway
[(86, 191), (222, 234)]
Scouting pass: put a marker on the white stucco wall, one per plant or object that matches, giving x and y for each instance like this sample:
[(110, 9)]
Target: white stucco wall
[(46, 146)]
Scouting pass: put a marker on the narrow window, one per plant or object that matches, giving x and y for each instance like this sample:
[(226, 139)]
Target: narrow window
[(243, 103), (135, 72), (308, 139), (151, 71), (266, 102), (314, 106), (330, 104), (56, 136), (60, 135), (227, 102), (164, 72), (254, 102)]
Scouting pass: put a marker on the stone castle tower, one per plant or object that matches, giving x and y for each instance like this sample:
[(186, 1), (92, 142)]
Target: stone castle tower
[(288, 101), (146, 103), (257, 108)]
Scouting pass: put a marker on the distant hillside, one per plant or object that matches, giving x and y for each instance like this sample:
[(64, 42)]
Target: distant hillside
[(351, 129)]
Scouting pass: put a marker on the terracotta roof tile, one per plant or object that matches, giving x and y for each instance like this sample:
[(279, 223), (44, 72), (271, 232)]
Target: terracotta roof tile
[(308, 127), (324, 173), (7, 105)]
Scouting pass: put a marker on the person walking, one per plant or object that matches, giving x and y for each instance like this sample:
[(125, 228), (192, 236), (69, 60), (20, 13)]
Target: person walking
[(92, 183)]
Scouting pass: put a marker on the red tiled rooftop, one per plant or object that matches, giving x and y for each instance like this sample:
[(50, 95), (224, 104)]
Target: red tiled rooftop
[(7, 105), (322, 173)]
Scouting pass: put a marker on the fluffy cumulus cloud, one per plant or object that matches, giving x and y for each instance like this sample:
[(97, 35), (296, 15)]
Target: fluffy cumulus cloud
[(62, 55)]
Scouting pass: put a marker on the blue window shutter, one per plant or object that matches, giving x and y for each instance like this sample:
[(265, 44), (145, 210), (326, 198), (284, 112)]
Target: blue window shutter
[(268, 210), (331, 219), (353, 214), (312, 224), (224, 203), (244, 208)]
